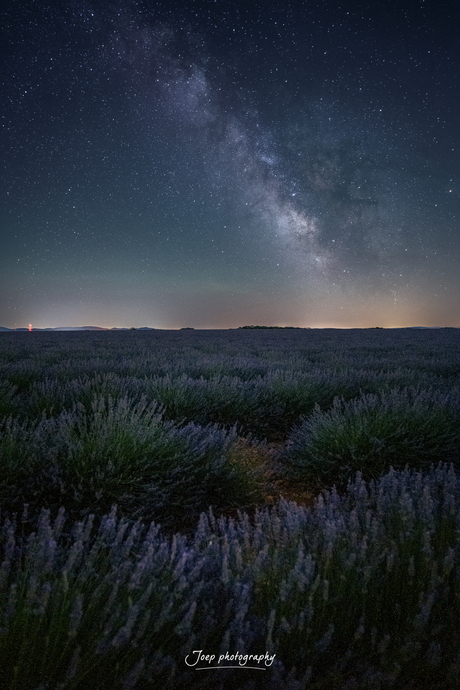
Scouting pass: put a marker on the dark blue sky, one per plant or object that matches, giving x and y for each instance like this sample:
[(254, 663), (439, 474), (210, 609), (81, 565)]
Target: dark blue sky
[(216, 164)]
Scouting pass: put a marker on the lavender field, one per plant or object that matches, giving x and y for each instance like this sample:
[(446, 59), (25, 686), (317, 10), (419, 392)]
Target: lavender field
[(147, 483)]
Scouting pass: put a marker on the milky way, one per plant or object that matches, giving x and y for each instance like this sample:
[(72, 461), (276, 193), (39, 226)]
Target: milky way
[(225, 164)]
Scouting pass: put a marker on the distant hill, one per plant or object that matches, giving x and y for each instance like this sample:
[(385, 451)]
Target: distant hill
[(78, 328)]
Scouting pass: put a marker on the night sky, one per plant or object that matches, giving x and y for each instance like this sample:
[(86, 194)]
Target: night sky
[(215, 164)]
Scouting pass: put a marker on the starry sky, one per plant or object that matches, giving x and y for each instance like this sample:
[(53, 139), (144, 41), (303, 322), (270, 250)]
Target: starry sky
[(218, 163)]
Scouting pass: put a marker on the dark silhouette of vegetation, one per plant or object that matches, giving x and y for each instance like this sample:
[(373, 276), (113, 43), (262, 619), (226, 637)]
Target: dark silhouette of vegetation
[(273, 327)]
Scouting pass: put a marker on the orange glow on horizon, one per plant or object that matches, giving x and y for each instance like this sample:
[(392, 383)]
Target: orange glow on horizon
[(30, 326)]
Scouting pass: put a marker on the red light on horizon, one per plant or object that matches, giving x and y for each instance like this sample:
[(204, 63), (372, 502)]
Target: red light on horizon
[(30, 326)]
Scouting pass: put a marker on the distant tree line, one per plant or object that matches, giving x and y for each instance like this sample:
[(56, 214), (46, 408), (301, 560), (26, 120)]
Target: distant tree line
[(291, 327)]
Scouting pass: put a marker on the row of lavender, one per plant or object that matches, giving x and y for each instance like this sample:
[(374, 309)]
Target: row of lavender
[(153, 421), (121, 450), (361, 592), (264, 380)]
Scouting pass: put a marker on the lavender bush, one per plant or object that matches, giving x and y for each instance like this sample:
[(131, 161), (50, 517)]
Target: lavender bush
[(122, 452), (372, 432), (360, 592)]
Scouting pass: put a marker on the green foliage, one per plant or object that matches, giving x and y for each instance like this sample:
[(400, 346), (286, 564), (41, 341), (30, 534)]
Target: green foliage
[(373, 432), (7, 398), (122, 452)]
